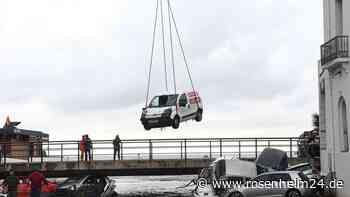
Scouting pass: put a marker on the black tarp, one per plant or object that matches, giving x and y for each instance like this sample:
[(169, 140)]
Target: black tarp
[(272, 159)]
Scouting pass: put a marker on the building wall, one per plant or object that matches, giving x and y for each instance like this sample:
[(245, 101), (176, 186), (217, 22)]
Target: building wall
[(336, 86), (346, 17), (330, 18), (335, 82)]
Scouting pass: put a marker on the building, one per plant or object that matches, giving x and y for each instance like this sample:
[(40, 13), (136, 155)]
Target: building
[(16, 142), (334, 92)]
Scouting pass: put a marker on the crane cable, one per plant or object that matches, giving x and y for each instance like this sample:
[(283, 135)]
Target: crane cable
[(171, 46), (164, 52), (183, 51), (171, 19), (152, 51)]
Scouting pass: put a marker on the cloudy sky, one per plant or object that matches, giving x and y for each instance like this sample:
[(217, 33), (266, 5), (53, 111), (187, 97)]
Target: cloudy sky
[(75, 67)]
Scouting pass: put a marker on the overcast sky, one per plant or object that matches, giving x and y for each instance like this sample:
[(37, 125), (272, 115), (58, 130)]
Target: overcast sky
[(70, 67)]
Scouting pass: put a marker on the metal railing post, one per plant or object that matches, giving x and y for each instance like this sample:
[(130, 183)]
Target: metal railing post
[(92, 153), (150, 150), (185, 149), (291, 148), (268, 143), (41, 153), (256, 148), (61, 152), (48, 149), (210, 151), (121, 151), (239, 149), (181, 150), (220, 147)]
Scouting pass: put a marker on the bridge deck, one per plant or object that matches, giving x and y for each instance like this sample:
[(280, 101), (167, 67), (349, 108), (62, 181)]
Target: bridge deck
[(112, 168), (140, 156)]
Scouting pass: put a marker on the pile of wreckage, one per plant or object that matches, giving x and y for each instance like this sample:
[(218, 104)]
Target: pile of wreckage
[(269, 161)]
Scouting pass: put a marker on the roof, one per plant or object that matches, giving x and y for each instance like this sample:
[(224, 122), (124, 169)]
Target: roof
[(25, 132)]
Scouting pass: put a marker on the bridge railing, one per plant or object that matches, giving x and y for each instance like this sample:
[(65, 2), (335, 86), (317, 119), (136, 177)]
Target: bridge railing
[(148, 149)]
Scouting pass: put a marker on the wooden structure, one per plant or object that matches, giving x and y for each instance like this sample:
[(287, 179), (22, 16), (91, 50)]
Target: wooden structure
[(16, 143)]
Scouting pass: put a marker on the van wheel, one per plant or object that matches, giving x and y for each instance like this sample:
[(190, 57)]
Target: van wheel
[(147, 128), (176, 122), (199, 116)]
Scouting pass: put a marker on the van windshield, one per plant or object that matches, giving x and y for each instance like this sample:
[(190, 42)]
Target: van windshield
[(164, 101)]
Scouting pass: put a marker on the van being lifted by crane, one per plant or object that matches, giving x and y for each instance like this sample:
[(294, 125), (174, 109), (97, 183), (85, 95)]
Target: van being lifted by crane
[(171, 108)]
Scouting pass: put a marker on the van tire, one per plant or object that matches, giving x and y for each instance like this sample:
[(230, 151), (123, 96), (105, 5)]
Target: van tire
[(147, 128), (199, 116), (176, 122)]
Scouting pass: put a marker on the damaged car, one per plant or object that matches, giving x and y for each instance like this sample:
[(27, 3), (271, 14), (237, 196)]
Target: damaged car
[(87, 186)]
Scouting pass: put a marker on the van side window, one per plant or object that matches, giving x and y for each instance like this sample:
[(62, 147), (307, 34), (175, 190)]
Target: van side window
[(183, 98), (155, 101)]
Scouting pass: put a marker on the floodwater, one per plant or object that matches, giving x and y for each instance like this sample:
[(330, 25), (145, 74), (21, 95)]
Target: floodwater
[(154, 186)]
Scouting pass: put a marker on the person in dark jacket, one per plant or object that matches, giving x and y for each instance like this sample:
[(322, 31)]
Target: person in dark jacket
[(88, 148), (11, 182), (116, 147)]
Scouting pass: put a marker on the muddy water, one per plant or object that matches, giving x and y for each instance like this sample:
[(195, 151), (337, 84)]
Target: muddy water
[(154, 186)]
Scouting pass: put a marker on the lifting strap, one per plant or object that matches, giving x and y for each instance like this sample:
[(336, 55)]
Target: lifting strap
[(152, 51), (171, 21)]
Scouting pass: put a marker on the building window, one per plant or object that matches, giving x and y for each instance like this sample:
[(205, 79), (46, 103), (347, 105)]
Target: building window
[(339, 16), (343, 125)]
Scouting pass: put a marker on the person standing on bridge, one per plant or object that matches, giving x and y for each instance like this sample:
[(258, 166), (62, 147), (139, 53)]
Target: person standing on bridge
[(82, 148), (88, 147), (116, 147), (36, 180), (11, 182)]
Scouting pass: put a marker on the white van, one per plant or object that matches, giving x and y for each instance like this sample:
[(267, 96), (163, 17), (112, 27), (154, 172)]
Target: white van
[(171, 109)]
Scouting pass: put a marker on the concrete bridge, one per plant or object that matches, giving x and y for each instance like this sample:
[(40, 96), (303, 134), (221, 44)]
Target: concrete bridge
[(142, 157), (112, 168)]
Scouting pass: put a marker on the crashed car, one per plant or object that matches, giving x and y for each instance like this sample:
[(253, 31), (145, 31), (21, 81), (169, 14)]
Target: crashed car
[(87, 186), (275, 188), (172, 109), (305, 168)]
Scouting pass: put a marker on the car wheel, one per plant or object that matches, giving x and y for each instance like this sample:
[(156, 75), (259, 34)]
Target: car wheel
[(199, 116), (176, 122), (236, 194), (293, 193), (147, 128)]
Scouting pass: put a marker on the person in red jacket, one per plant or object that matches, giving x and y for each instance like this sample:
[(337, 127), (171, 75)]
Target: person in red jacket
[(82, 148), (36, 180)]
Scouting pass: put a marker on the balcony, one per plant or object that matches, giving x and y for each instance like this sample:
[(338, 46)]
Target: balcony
[(336, 48)]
